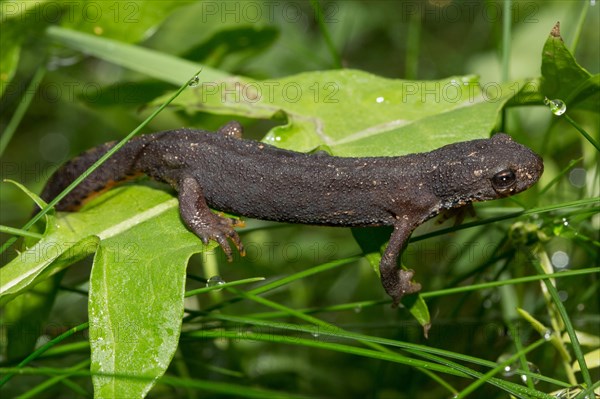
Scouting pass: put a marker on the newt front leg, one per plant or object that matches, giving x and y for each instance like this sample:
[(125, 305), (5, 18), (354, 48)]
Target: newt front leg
[(397, 282), (202, 221)]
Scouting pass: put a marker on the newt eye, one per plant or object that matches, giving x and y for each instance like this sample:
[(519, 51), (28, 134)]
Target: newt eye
[(503, 181)]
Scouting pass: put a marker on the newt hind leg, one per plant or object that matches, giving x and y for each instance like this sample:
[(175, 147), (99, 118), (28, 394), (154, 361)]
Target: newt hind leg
[(203, 222)]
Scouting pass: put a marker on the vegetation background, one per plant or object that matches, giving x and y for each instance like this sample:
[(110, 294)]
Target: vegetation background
[(297, 343)]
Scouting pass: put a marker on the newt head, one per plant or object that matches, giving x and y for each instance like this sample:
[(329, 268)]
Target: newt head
[(481, 170), (521, 167)]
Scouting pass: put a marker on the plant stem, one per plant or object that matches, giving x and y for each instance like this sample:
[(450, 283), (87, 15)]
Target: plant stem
[(582, 131), (506, 38), (22, 108)]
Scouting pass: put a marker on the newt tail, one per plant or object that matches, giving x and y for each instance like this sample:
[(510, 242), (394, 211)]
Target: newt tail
[(119, 168)]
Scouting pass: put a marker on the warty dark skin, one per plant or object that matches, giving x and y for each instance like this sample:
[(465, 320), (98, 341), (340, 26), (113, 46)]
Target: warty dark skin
[(224, 172)]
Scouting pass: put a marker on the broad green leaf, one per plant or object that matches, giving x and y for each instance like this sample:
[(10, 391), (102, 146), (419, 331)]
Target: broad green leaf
[(50, 255), (135, 309), (357, 113), (563, 78), (72, 236), (137, 289)]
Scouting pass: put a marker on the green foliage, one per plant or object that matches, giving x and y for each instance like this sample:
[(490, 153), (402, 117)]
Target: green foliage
[(306, 332), (396, 117), (564, 78)]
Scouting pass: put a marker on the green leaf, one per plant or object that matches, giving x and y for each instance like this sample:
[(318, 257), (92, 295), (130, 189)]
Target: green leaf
[(49, 256), (57, 250), (135, 311), (357, 113), (137, 291), (73, 236), (563, 78)]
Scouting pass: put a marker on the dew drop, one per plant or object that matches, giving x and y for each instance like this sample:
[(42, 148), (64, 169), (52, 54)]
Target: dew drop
[(509, 369), (215, 281), (272, 138), (547, 335), (194, 82), (558, 107), (534, 369), (379, 100)]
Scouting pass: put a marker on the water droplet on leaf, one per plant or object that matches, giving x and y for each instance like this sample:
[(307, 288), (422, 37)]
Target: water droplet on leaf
[(558, 107), (534, 369), (215, 281), (509, 369), (195, 81)]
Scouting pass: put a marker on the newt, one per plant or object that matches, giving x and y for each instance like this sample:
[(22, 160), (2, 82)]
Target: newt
[(224, 172)]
